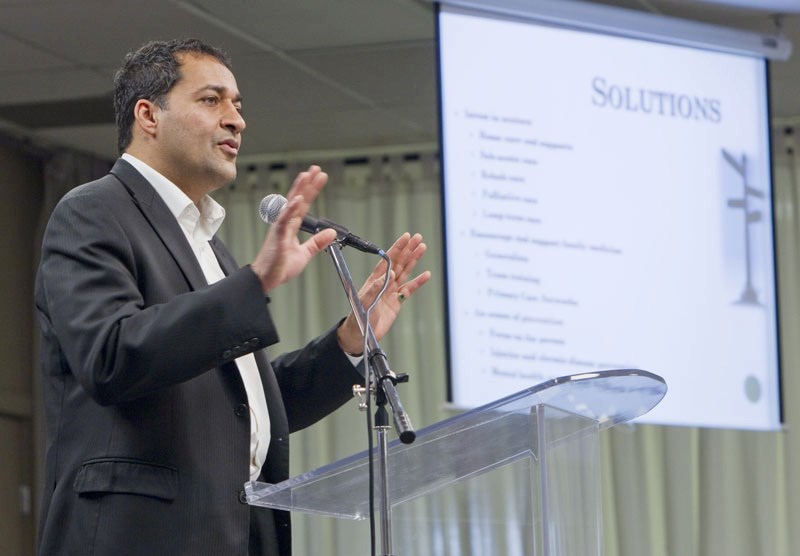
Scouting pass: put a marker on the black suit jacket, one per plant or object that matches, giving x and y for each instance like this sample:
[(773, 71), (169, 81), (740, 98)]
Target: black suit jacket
[(147, 423)]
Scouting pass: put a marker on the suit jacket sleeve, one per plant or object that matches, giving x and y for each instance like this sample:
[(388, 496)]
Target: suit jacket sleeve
[(312, 381), (121, 346), (315, 380)]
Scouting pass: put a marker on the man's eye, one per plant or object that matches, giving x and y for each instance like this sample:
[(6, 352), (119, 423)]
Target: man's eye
[(211, 100)]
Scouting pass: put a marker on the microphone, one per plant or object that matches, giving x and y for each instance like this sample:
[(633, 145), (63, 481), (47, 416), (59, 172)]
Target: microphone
[(272, 205)]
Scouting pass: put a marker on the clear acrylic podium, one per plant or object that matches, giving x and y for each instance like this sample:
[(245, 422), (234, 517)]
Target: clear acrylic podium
[(519, 476)]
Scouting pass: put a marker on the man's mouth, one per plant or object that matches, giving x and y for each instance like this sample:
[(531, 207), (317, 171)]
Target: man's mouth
[(230, 146)]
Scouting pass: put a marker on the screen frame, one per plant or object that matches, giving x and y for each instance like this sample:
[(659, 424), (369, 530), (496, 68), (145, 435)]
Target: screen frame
[(766, 51)]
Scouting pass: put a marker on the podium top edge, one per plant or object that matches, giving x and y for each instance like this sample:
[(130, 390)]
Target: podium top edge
[(610, 397)]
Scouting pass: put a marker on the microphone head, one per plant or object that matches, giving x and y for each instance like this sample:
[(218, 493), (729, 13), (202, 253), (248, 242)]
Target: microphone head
[(271, 207)]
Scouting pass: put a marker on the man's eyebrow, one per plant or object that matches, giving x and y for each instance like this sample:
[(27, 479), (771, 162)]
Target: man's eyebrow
[(220, 90)]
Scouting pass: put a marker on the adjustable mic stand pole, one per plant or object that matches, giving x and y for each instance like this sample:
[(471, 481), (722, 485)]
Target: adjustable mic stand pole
[(385, 391), (382, 429)]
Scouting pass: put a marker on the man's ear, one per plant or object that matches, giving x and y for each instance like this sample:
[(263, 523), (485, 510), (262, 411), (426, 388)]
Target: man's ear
[(146, 115)]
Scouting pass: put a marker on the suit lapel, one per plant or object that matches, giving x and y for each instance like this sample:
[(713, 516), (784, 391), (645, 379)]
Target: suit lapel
[(168, 229), (225, 259), (163, 222)]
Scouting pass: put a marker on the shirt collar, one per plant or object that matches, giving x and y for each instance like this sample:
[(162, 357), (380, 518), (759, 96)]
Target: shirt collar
[(200, 221)]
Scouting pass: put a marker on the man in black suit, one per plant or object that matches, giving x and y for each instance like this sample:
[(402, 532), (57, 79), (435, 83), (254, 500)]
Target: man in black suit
[(160, 402)]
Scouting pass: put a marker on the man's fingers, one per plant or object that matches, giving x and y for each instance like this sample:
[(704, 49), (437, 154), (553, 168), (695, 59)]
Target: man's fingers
[(405, 263), (406, 290), (398, 245), (319, 241), (402, 255), (399, 253), (308, 184)]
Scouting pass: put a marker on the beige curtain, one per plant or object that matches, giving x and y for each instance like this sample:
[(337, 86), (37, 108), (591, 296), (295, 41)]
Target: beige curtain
[(667, 491)]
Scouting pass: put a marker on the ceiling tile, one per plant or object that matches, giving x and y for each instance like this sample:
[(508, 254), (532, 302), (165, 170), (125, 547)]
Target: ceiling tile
[(273, 85), (39, 85), (393, 73), (101, 32), (292, 25), (18, 56)]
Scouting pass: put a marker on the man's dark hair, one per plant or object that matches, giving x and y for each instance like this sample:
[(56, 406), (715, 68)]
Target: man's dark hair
[(150, 73)]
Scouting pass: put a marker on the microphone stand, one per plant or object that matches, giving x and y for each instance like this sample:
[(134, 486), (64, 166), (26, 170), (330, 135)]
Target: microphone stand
[(385, 381)]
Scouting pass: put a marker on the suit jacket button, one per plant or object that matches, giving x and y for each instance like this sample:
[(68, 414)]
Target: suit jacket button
[(255, 342), (242, 497), (241, 410), (226, 354)]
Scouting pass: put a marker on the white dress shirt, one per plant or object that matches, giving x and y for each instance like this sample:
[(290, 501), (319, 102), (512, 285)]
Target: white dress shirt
[(199, 223)]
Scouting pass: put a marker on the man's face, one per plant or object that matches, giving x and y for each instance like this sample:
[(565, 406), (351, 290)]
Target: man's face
[(199, 131)]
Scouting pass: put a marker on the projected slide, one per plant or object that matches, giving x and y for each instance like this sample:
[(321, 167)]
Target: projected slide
[(607, 206)]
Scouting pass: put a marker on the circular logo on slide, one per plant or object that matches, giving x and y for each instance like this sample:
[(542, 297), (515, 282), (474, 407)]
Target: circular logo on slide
[(752, 388)]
